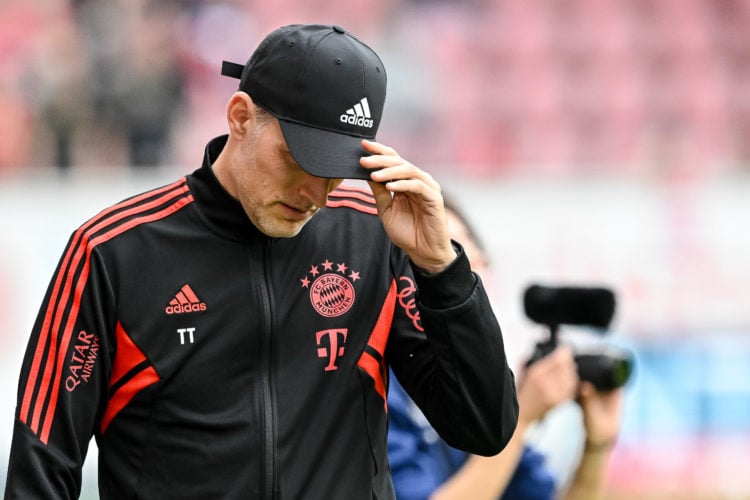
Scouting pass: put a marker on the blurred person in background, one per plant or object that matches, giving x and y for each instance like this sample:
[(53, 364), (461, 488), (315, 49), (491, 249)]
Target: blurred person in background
[(423, 466), (136, 78), (217, 335), (151, 100), (59, 80)]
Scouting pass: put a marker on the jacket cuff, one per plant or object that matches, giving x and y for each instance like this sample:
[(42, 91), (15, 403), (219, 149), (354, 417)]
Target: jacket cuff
[(450, 287)]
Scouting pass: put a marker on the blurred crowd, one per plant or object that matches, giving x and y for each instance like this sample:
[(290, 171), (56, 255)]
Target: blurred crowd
[(493, 86)]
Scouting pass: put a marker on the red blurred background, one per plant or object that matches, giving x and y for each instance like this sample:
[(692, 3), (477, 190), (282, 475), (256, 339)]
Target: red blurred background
[(592, 142)]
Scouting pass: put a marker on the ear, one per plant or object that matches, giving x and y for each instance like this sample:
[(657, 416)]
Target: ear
[(240, 113)]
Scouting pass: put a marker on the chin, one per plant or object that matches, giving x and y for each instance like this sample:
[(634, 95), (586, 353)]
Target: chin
[(283, 229)]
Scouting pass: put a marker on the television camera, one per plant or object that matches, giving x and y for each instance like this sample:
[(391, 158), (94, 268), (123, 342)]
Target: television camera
[(607, 367)]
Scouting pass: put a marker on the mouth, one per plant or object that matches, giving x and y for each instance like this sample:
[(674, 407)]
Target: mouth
[(297, 214)]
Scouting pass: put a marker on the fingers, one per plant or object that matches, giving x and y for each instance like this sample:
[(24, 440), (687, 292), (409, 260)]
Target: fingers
[(602, 414), (410, 206), (383, 197), (561, 371), (399, 174), (553, 379), (587, 390), (560, 363), (376, 148)]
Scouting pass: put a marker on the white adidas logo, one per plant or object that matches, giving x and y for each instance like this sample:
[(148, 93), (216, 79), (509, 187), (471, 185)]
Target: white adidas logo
[(359, 114)]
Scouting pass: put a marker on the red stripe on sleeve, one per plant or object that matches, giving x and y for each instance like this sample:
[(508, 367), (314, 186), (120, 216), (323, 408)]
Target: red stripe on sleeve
[(378, 341), (352, 204), (63, 279), (84, 247), (349, 187), (358, 194), (44, 436)]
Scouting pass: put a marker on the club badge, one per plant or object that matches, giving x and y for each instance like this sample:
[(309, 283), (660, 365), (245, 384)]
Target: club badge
[(331, 292)]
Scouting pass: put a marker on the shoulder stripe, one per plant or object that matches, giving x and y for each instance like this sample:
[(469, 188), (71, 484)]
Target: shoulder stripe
[(81, 283), (63, 281), (368, 209), (354, 189), (129, 214), (353, 193)]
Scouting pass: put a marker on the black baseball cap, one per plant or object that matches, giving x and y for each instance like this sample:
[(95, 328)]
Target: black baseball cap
[(326, 88)]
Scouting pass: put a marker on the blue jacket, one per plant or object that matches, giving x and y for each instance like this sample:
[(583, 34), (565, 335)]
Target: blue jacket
[(421, 461)]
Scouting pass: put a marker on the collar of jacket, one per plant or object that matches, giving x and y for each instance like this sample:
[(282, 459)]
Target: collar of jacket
[(223, 212)]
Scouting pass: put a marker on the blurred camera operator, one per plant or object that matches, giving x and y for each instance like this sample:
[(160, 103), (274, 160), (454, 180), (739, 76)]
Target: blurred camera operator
[(424, 466)]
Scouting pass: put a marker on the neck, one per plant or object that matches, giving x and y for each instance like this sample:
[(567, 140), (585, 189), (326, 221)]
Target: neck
[(223, 173)]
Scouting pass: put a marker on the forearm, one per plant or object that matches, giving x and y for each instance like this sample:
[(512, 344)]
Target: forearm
[(589, 480), (601, 416), (477, 408), (485, 477), (37, 471)]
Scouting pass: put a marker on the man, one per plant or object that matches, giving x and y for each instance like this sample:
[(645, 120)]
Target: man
[(229, 335)]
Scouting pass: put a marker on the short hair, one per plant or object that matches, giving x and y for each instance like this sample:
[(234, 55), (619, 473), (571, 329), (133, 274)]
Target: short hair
[(263, 116)]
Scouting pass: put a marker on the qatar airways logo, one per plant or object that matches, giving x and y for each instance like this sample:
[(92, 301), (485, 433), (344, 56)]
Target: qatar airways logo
[(82, 360)]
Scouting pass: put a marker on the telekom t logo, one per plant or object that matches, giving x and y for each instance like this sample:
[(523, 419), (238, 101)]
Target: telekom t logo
[(333, 350)]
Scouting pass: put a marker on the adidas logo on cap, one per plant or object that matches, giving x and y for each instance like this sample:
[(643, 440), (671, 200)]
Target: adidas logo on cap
[(359, 114)]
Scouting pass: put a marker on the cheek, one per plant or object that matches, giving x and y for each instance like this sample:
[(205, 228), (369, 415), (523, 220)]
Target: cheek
[(334, 184), (251, 185)]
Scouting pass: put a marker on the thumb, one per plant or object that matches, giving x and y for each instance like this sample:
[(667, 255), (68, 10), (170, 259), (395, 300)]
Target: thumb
[(382, 196)]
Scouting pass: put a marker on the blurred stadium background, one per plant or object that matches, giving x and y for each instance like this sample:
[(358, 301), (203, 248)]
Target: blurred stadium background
[(601, 142)]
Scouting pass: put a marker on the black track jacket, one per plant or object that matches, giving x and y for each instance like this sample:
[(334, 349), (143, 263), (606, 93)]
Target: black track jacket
[(213, 362)]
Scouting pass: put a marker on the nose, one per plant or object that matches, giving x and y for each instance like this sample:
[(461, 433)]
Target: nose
[(316, 189)]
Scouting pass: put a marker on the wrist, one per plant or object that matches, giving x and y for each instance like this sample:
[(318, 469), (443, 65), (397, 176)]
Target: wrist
[(436, 265), (599, 446)]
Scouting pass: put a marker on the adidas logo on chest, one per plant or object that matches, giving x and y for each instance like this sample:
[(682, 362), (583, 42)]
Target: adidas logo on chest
[(185, 301)]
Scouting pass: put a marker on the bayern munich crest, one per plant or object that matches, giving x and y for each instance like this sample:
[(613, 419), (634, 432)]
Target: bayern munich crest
[(331, 291)]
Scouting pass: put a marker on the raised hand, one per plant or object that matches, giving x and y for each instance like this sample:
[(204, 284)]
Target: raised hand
[(410, 206)]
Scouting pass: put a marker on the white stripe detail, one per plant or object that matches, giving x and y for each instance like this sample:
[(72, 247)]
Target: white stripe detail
[(362, 108), (366, 106)]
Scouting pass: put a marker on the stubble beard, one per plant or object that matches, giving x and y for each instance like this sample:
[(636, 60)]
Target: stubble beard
[(272, 226)]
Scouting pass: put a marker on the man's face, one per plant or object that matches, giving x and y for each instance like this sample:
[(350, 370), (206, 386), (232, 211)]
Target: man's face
[(277, 195)]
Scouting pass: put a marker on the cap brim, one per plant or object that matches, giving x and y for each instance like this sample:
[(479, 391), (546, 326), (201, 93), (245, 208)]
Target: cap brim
[(325, 154)]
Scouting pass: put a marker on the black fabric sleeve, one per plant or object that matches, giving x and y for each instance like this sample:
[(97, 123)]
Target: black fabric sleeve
[(448, 287), (63, 381), (454, 365)]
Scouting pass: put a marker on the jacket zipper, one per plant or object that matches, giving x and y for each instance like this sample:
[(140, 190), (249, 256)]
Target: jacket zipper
[(269, 442)]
